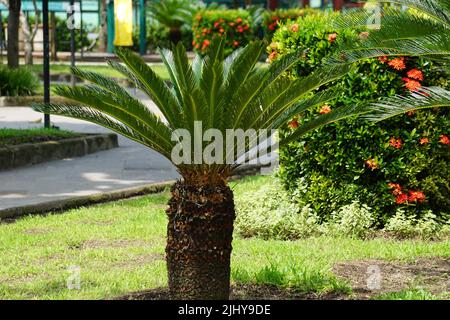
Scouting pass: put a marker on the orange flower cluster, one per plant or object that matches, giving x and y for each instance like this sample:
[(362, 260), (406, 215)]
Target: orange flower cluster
[(293, 124), (396, 143), (397, 63), (332, 37), (371, 164), (325, 109), (444, 139), (413, 76), (237, 30), (402, 197), (424, 140), (412, 85)]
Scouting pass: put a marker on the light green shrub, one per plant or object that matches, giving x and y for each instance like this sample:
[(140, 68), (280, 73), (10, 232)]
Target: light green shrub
[(353, 220), (269, 213), (427, 226)]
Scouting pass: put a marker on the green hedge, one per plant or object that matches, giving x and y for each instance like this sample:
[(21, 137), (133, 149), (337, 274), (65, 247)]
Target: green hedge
[(272, 19), (17, 82), (399, 163), (158, 37), (235, 24)]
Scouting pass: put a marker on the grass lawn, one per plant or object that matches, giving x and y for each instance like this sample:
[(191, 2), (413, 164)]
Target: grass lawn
[(119, 248), (19, 136), (103, 69)]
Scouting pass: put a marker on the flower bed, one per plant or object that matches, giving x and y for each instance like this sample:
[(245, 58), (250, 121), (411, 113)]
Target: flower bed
[(235, 25)]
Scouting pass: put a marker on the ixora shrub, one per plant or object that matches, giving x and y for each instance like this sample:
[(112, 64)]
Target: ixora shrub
[(398, 163), (17, 82), (236, 25), (272, 19)]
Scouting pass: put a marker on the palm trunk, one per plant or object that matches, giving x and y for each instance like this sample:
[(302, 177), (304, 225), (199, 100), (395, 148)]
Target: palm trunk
[(199, 235), (175, 35)]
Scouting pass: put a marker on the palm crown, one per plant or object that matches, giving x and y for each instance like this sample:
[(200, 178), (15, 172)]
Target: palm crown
[(222, 93)]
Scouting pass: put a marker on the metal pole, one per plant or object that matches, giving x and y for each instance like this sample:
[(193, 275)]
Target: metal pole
[(81, 28), (46, 60), (1, 38), (72, 43)]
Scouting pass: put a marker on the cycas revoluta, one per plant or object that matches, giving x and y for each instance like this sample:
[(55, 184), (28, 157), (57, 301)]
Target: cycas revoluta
[(222, 93)]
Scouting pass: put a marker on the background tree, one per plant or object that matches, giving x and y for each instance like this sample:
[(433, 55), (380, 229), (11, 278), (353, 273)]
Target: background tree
[(103, 34), (29, 33), (13, 31)]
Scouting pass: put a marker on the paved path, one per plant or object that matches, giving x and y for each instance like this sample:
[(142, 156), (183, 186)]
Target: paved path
[(129, 165)]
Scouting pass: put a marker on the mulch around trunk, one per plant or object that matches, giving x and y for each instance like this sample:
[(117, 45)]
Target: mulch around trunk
[(240, 291)]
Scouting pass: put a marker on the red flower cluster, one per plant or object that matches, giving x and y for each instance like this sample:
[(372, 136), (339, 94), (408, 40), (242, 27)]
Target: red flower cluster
[(412, 85), (383, 59), (293, 124), (372, 164), (274, 24), (325, 109), (396, 143), (397, 63), (332, 37), (207, 27), (402, 197), (415, 74), (424, 140), (444, 139)]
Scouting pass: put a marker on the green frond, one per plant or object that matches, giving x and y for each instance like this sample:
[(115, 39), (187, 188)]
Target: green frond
[(148, 81), (292, 94), (336, 115), (128, 111), (432, 97), (212, 77), (95, 116)]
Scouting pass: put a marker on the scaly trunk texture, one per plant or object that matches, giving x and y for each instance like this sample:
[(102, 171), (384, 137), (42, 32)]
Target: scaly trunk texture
[(175, 35), (199, 235)]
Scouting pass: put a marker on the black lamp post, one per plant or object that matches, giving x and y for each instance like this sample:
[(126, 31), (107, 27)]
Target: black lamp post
[(46, 48)]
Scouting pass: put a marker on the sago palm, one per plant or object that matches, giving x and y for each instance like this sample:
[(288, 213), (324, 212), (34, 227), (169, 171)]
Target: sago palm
[(418, 28), (220, 93)]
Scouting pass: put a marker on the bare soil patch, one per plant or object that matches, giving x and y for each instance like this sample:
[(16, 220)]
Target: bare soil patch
[(431, 274)]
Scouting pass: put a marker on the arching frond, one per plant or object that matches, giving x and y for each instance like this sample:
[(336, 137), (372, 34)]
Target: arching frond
[(426, 98)]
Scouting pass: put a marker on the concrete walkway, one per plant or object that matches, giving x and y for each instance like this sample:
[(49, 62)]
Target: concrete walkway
[(127, 166)]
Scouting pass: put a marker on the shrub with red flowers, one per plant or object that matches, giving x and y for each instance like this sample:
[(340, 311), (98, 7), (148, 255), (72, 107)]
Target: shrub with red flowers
[(235, 25), (272, 19), (397, 163)]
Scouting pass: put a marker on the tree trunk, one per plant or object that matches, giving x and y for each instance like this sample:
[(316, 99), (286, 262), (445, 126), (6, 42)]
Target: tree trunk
[(103, 34), (13, 33), (199, 235)]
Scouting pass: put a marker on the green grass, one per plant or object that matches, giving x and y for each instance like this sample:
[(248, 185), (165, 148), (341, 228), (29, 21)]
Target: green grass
[(18, 136), (103, 69), (412, 294), (119, 247)]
